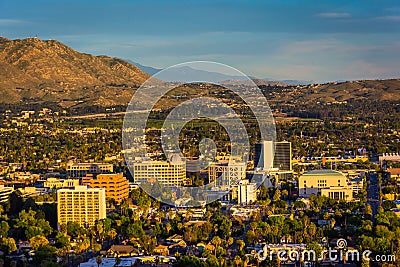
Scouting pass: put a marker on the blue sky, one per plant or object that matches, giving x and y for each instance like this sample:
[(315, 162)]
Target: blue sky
[(278, 39)]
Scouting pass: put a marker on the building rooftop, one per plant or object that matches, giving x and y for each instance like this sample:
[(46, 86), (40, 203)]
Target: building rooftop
[(323, 172)]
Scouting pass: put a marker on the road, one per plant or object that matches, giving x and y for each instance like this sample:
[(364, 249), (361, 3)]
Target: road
[(373, 192)]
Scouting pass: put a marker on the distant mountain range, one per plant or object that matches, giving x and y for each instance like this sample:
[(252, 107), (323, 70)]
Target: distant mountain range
[(149, 70), (191, 74), (37, 71)]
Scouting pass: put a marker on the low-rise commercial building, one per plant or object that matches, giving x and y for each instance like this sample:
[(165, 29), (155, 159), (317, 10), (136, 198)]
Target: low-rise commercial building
[(169, 173), (78, 170), (325, 182), (60, 183)]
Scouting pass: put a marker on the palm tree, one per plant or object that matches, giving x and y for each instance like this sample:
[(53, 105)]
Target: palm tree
[(216, 241), (245, 261), (99, 260), (237, 260), (117, 261)]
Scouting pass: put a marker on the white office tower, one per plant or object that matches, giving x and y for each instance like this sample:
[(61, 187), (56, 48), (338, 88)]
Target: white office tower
[(264, 155), (247, 192)]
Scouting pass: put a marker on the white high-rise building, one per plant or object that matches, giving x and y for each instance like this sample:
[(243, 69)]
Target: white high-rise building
[(276, 155), (247, 192), (264, 155)]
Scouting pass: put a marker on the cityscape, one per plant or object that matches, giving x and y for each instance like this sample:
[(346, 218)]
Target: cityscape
[(106, 162)]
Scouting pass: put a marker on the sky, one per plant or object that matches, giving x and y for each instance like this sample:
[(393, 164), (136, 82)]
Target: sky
[(276, 39)]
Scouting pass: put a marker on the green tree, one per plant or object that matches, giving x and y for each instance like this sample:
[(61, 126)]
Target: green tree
[(191, 261), (4, 227), (8, 244), (148, 244), (74, 229), (61, 241), (135, 230), (38, 241), (277, 195)]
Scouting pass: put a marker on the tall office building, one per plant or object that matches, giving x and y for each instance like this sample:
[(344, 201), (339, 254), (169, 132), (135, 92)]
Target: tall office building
[(81, 204), (283, 156), (263, 155), (276, 155), (225, 175), (81, 169), (170, 173), (116, 185), (247, 192)]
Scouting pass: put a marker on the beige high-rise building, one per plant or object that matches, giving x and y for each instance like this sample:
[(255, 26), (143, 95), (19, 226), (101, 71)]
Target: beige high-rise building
[(81, 204), (170, 173)]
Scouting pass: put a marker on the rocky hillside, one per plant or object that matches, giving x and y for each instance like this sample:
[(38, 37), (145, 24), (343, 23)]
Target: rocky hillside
[(47, 70), (378, 90)]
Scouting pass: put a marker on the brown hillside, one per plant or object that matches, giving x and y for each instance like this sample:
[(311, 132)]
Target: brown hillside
[(47, 70)]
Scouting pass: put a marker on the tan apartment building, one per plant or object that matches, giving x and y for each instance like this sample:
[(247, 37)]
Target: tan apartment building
[(81, 204)]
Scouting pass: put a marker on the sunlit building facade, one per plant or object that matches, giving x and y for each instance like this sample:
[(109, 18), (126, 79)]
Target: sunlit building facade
[(169, 173), (116, 185), (81, 204)]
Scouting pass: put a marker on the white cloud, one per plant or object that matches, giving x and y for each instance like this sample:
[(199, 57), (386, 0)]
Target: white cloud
[(9, 22), (334, 15), (390, 18)]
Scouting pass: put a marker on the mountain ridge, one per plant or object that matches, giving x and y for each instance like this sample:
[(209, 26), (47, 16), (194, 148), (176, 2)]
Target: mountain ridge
[(48, 71)]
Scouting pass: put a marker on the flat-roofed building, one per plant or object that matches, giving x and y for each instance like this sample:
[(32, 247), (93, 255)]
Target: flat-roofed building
[(277, 155), (338, 193), (226, 174), (81, 204), (116, 185), (60, 183), (169, 173), (81, 169), (389, 157), (5, 192), (264, 155), (247, 192), (312, 182), (283, 156)]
